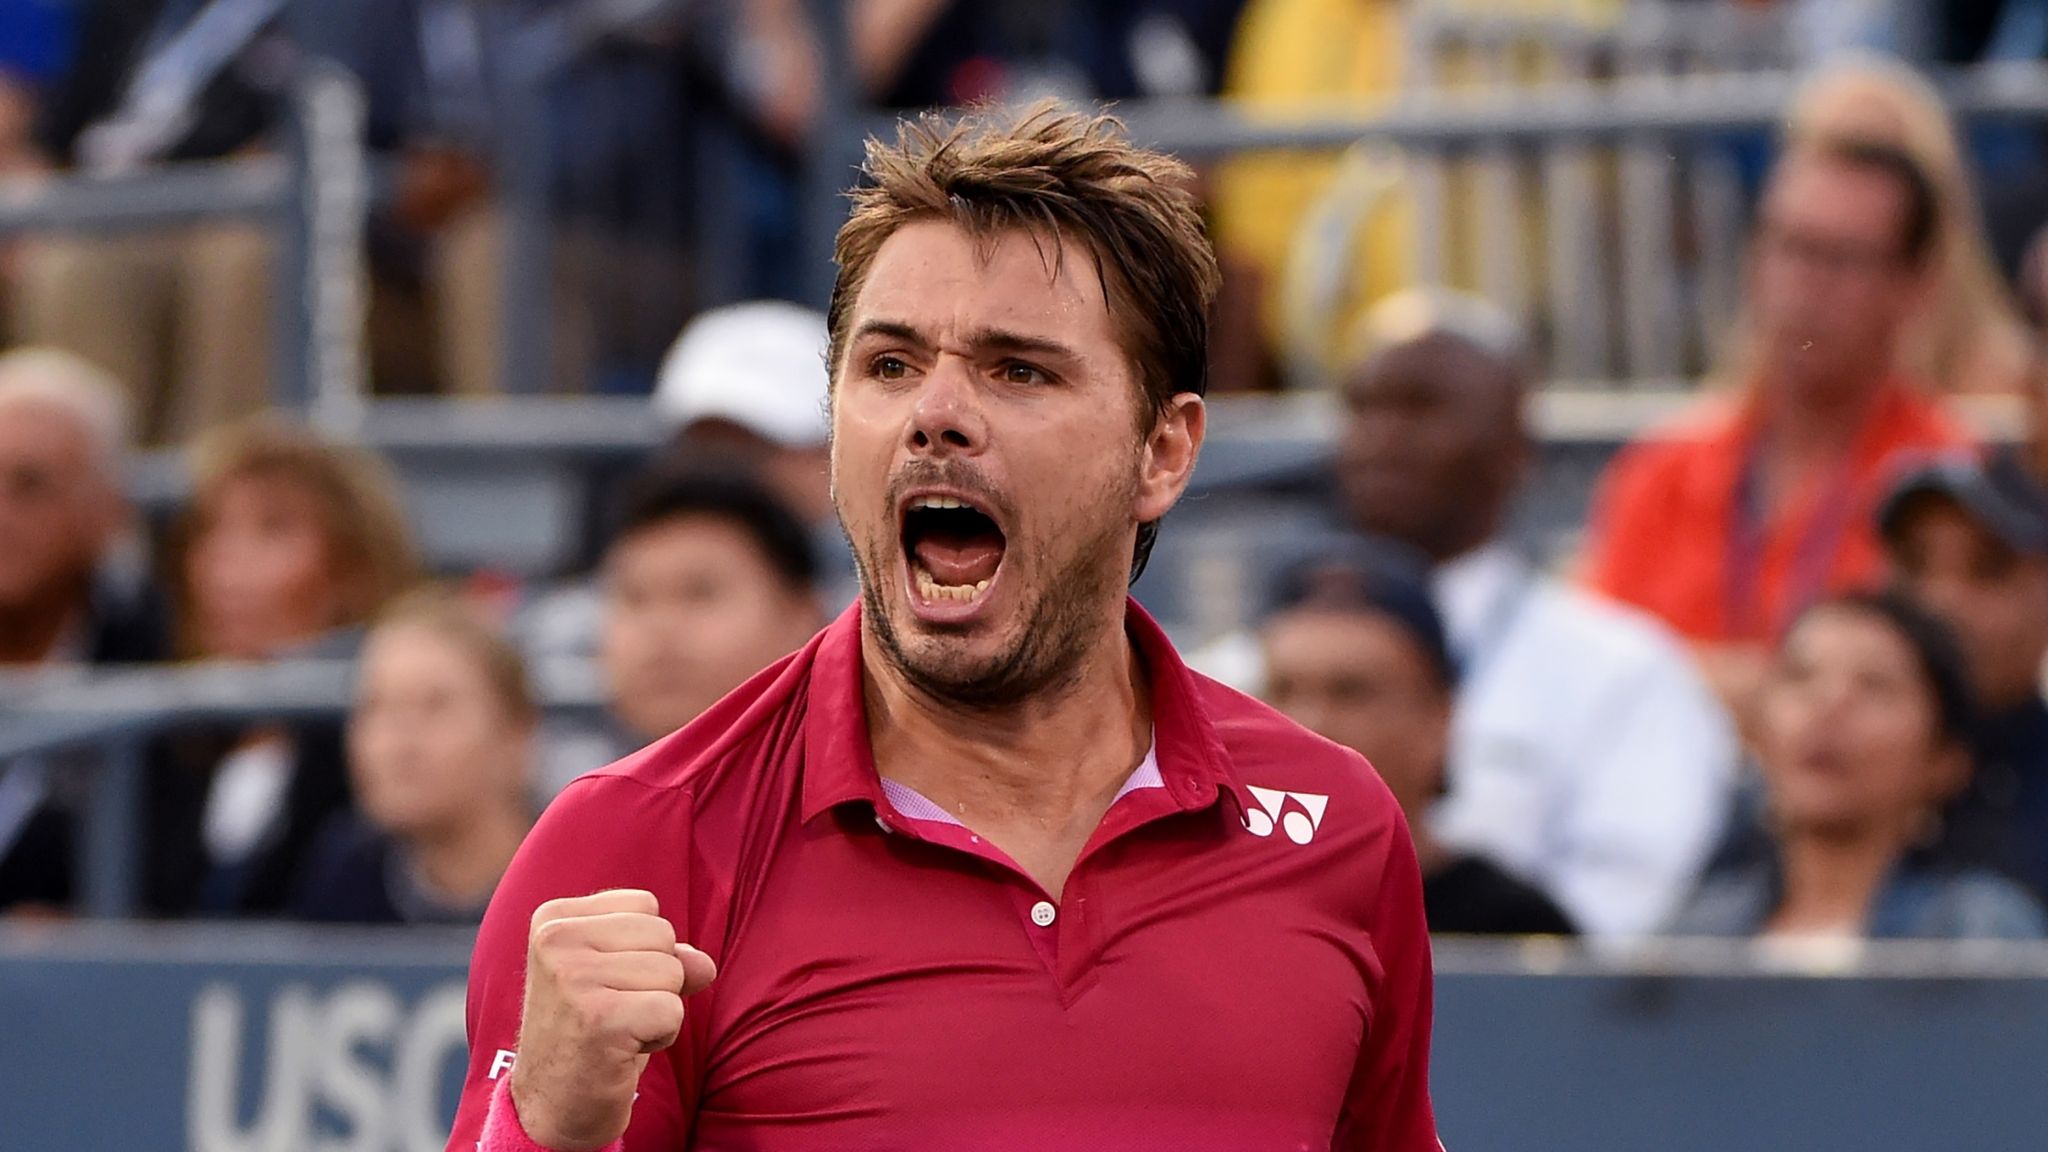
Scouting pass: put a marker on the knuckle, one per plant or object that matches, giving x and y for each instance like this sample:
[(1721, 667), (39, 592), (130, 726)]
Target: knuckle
[(548, 910), (662, 932), (657, 1018), (567, 970), (674, 975), (591, 1014), (630, 900), (553, 935), (672, 1012)]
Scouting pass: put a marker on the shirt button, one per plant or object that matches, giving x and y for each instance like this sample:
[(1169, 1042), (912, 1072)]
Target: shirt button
[(1042, 913)]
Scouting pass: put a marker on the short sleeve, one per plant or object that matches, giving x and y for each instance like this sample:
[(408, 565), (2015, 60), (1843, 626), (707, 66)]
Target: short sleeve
[(1388, 1107)]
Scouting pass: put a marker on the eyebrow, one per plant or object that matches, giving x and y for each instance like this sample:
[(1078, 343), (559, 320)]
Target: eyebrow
[(983, 340)]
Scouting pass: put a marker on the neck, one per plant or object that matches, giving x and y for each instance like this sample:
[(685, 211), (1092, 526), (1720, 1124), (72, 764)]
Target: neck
[(1814, 423), (1833, 879), (29, 632), (1449, 550), (462, 863), (1454, 541), (1034, 778)]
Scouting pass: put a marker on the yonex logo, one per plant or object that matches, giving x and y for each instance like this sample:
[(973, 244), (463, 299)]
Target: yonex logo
[(1299, 821)]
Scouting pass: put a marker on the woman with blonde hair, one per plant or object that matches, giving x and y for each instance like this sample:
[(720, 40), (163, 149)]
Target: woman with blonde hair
[(288, 548), (1969, 339), (440, 749)]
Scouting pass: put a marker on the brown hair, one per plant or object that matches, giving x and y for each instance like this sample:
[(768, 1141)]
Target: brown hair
[(1053, 173), (466, 625), (361, 515)]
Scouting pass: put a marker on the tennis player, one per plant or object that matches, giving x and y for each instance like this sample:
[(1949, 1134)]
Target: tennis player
[(984, 865)]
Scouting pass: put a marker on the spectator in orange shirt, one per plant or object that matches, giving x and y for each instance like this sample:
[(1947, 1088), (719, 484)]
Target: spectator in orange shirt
[(1748, 510)]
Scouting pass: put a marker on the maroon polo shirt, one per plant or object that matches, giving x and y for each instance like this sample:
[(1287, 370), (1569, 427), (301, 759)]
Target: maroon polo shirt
[(1238, 961)]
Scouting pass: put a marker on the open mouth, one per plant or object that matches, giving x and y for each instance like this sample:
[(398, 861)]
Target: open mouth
[(953, 549)]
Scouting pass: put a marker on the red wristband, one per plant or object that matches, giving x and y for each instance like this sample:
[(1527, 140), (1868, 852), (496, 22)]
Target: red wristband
[(504, 1133)]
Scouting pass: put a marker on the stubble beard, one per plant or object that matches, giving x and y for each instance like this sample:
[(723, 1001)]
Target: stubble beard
[(1062, 621)]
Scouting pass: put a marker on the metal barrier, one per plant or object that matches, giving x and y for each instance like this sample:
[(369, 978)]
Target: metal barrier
[(280, 1039), (534, 57), (1630, 328), (315, 193), (1590, 204), (115, 712), (1618, 145), (509, 484)]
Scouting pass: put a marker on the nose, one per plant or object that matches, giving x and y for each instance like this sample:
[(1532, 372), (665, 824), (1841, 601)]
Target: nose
[(1833, 700), (1376, 443), (947, 418), (217, 561)]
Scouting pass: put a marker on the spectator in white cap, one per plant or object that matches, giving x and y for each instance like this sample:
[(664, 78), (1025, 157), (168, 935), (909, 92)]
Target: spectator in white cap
[(743, 390), (746, 384)]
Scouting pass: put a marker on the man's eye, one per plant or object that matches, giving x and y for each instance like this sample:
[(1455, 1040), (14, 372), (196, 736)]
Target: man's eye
[(889, 368), (1022, 374)]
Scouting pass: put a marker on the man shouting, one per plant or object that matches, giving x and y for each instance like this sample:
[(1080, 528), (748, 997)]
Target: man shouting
[(983, 866)]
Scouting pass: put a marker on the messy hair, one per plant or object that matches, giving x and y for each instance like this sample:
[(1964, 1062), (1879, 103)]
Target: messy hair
[(1056, 174)]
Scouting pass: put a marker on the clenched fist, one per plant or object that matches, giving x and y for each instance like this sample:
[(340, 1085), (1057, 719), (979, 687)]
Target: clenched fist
[(605, 981)]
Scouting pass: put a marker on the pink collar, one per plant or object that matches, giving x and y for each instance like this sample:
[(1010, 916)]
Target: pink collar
[(912, 804)]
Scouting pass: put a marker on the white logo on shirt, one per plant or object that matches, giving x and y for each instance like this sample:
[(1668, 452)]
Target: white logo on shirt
[(1300, 822)]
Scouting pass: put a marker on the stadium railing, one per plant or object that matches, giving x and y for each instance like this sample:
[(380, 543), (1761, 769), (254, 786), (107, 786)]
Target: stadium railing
[(98, 723), (314, 192)]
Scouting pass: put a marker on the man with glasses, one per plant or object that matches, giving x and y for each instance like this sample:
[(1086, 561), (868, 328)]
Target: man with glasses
[(1761, 501)]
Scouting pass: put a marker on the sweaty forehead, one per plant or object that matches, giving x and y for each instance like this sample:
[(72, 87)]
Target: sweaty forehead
[(947, 283)]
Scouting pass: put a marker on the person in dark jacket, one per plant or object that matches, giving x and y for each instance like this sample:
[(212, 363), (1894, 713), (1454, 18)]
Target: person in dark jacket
[(1355, 652), (1969, 539), (1864, 724), (440, 751)]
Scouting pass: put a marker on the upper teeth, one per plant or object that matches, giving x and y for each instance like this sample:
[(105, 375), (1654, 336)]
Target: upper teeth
[(937, 502)]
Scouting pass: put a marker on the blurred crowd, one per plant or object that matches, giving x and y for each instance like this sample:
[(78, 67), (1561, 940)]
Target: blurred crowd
[(1789, 687)]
